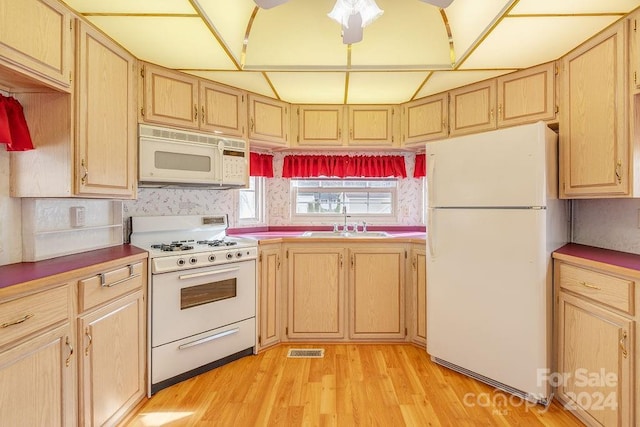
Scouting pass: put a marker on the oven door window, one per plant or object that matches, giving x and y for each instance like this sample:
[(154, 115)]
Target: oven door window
[(194, 296)]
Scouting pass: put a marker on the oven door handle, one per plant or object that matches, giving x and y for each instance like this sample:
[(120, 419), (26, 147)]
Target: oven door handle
[(207, 339), (207, 273)]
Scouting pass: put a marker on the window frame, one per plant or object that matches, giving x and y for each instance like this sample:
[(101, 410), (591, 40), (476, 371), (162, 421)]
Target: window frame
[(259, 188), (391, 217)]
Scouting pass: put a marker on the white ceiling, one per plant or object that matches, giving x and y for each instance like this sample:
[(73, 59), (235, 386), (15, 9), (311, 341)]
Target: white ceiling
[(294, 52)]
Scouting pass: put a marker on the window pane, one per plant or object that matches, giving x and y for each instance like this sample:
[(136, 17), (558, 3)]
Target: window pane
[(250, 201), (247, 204), (331, 196)]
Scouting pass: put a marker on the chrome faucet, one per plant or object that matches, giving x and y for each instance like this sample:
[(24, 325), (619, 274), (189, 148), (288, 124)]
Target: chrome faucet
[(344, 212)]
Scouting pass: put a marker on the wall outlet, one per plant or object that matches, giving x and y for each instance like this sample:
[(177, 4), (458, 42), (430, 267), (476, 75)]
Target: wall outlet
[(77, 214)]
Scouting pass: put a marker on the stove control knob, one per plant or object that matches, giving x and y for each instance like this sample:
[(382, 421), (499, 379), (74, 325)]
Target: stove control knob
[(180, 262), (229, 255), (193, 260), (238, 254), (212, 258)]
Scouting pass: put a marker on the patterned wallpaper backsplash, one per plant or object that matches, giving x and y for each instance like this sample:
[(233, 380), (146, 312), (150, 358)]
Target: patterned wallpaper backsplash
[(161, 201), (608, 223)]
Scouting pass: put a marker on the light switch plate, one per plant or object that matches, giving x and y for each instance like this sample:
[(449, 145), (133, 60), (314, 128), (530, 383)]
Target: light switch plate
[(77, 214)]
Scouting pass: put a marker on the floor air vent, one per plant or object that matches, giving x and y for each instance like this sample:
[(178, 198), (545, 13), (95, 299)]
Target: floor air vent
[(302, 353)]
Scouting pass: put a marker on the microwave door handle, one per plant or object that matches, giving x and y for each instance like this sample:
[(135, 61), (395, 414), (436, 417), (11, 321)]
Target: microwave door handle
[(207, 273)]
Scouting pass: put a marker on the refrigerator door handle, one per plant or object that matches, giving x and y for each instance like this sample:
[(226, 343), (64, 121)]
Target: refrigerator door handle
[(431, 232), (431, 178)]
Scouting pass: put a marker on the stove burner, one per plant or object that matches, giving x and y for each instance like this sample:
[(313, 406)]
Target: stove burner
[(216, 242), (174, 246)]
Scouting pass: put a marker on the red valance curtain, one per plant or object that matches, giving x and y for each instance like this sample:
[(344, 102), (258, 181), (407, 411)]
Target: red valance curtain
[(302, 166), (261, 165), (13, 126), (421, 166)]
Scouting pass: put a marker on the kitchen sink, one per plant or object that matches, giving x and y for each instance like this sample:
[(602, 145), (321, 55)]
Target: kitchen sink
[(362, 234)]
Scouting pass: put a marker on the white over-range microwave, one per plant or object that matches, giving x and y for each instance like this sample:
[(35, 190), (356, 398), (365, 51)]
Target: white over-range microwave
[(177, 158)]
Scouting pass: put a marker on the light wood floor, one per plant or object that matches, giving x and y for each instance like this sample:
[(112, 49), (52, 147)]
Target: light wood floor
[(368, 385)]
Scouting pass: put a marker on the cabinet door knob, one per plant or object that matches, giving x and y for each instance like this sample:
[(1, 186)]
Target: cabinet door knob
[(195, 112), (67, 362), (202, 116), (90, 338), (85, 172), (623, 347), (619, 171)]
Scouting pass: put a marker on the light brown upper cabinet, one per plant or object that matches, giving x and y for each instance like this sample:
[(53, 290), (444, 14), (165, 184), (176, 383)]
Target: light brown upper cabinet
[(85, 142), (106, 126), (594, 129), (527, 96), (268, 122), (361, 126), (372, 125), (319, 125), (472, 108), (176, 99), (36, 41), (223, 110), (425, 119), (170, 98), (634, 52)]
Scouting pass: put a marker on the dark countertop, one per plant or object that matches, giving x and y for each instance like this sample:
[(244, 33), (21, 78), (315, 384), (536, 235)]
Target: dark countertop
[(23, 272), (605, 256)]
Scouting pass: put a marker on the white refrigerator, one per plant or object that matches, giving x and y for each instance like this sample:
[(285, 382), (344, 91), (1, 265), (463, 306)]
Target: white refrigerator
[(494, 218)]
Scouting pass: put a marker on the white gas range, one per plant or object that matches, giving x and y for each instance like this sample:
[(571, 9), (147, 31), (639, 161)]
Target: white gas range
[(202, 295)]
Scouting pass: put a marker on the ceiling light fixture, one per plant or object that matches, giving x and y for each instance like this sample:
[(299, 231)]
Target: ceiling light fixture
[(343, 9), (268, 4), (354, 15)]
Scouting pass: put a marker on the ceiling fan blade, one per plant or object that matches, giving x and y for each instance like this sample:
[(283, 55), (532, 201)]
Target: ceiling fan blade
[(439, 3), (268, 4), (354, 32)]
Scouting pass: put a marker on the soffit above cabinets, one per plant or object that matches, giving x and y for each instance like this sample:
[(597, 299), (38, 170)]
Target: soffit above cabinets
[(294, 52)]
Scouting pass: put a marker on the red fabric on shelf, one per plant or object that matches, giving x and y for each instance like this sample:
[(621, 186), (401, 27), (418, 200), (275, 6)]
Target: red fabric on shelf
[(421, 166), (5, 132), (302, 166), (20, 139), (261, 165)]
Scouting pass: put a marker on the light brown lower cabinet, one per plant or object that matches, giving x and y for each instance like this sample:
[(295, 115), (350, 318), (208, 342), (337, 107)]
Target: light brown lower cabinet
[(346, 290), (37, 360), (269, 295), (36, 383), (595, 341), (316, 291), (418, 301), (111, 332), (376, 292), (74, 353)]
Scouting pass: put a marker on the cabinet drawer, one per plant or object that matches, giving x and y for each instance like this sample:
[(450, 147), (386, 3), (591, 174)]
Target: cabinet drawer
[(106, 286), (613, 291), (31, 313)]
